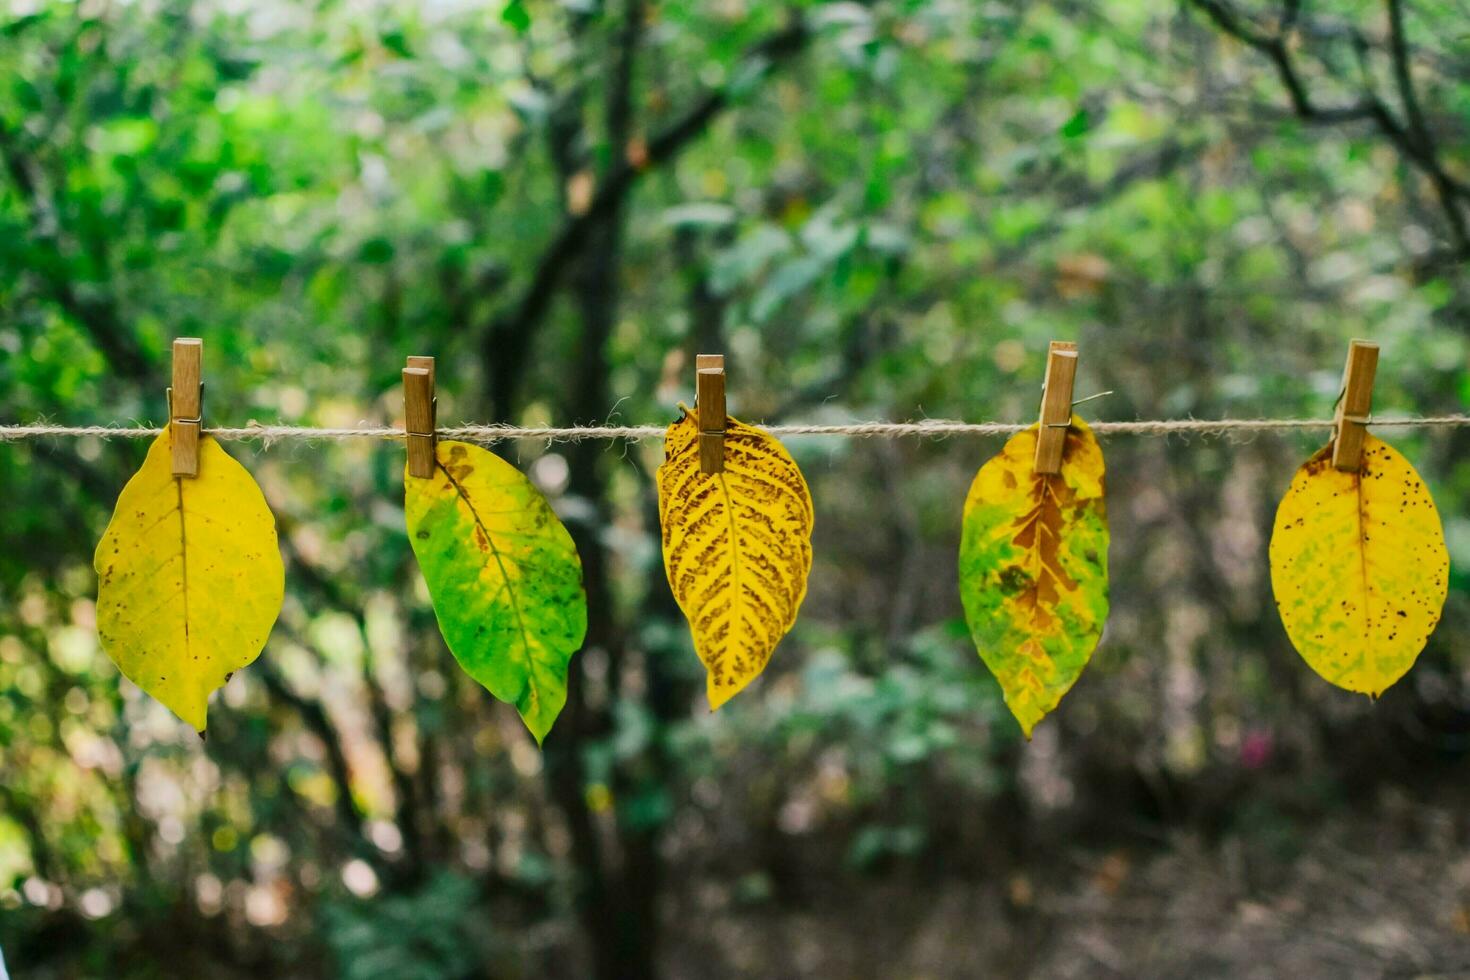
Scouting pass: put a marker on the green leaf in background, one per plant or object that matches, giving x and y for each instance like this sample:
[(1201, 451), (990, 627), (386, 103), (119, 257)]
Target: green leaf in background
[(1079, 123), (517, 16), (504, 577)]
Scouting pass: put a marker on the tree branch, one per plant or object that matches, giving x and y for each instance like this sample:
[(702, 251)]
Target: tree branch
[(1411, 138), (1275, 48), (406, 800), (602, 901), (506, 340), (1418, 136), (314, 716)]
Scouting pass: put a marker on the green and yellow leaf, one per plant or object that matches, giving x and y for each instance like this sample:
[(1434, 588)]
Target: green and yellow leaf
[(1359, 567), (504, 577), (737, 548), (190, 579), (1034, 569)]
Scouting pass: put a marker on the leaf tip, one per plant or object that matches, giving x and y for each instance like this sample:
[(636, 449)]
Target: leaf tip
[(538, 717), (194, 712), (538, 728), (1028, 720), (718, 695)]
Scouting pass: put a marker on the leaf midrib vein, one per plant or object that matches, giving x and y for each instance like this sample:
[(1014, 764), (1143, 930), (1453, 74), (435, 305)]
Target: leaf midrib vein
[(183, 560), (1363, 555), (515, 603), (737, 603), (1040, 570)]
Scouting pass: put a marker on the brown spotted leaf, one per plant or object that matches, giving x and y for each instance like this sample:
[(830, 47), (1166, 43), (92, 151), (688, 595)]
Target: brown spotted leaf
[(1359, 567), (737, 548)]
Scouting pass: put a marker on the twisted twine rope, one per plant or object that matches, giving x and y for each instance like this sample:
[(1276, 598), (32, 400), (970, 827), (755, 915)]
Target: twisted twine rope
[(934, 428)]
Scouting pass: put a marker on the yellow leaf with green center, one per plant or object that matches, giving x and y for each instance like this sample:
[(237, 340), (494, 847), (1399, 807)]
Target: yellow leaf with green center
[(737, 548), (1359, 567), (503, 575), (1034, 569), (189, 576)]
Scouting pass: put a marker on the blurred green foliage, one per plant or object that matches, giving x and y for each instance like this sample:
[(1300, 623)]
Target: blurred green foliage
[(879, 210)]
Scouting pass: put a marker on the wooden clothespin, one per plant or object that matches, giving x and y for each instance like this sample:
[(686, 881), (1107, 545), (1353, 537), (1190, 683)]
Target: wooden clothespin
[(186, 406), (709, 393), (1350, 423), (420, 415), (1056, 406)]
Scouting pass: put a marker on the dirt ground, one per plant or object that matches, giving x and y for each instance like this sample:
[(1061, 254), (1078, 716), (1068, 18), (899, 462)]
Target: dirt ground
[(1380, 892)]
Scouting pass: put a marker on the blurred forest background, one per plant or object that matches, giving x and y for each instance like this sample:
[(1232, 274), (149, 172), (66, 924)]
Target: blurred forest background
[(879, 210)]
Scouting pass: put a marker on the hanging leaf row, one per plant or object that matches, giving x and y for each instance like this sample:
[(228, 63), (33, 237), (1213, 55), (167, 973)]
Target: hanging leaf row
[(190, 578)]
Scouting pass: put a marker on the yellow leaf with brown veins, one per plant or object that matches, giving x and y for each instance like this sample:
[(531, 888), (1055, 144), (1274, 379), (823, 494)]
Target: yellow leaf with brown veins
[(737, 548), (1034, 569)]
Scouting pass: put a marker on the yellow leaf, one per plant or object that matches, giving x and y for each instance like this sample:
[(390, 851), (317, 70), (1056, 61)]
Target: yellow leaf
[(1034, 569), (190, 579), (1359, 567), (737, 548)]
